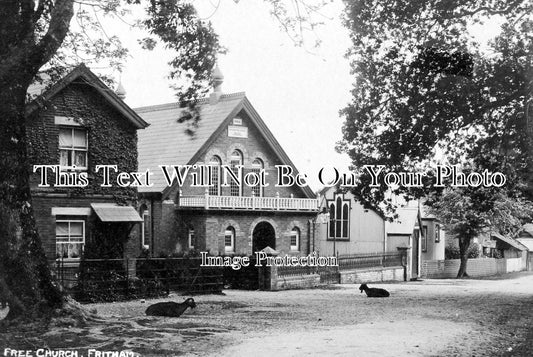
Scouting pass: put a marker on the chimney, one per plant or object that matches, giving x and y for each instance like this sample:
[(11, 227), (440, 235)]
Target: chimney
[(218, 79), (120, 91)]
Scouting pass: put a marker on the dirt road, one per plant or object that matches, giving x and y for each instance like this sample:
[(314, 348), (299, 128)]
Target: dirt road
[(427, 318)]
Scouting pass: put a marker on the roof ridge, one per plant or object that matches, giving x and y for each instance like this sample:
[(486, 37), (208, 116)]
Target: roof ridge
[(176, 105)]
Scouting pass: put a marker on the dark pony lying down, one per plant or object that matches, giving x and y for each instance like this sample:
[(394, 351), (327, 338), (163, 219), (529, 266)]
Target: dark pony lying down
[(374, 292), (170, 309)]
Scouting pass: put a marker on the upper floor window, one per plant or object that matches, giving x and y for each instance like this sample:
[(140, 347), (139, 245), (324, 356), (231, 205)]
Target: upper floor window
[(70, 238), (235, 160), (257, 167), (229, 240), (339, 217), (73, 146), (295, 239), (215, 163)]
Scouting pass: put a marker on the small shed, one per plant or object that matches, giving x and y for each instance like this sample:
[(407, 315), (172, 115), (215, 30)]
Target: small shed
[(509, 247), (525, 237)]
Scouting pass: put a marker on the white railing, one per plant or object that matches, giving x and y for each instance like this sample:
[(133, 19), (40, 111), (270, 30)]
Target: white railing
[(240, 202)]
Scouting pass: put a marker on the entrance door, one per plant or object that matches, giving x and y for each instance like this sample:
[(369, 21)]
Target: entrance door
[(416, 244), (263, 236)]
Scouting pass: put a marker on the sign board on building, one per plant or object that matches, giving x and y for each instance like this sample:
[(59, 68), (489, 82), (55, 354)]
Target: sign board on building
[(237, 121), (488, 243), (237, 131)]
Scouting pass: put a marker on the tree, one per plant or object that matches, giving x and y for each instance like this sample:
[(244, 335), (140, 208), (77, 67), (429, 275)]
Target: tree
[(427, 91), (38, 37), (467, 213)]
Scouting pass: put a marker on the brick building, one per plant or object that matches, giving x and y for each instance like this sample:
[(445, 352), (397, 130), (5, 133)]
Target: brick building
[(226, 217), (76, 124)]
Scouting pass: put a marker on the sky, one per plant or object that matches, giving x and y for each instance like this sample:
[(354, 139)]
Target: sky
[(297, 91)]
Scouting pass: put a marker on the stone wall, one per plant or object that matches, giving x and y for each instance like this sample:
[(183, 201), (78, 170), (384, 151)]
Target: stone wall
[(370, 275), (439, 269)]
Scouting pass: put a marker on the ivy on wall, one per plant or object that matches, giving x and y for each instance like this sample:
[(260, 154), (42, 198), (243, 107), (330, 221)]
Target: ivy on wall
[(112, 139)]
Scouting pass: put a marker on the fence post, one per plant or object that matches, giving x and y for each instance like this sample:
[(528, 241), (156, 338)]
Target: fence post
[(126, 292), (167, 284)]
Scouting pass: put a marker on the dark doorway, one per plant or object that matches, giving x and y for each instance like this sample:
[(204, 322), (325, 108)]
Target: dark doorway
[(416, 243), (264, 236)]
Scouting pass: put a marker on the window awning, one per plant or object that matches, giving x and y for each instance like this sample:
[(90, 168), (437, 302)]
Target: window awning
[(109, 212)]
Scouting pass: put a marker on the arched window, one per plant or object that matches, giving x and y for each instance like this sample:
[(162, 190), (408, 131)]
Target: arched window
[(235, 161), (229, 240), (145, 226), (257, 167), (215, 163), (295, 239), (339, 218)]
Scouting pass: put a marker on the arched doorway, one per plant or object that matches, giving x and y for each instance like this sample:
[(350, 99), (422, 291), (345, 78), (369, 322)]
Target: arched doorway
[(263, 236)]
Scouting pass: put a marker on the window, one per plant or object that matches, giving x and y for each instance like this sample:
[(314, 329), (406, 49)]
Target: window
[(295, 239), (70, 238), (229, 240), (235, 160), (145, 226), (257, 167), (425, 238), (339, 217), (215, 162), (192, 239), (73, 146), (437, 233)]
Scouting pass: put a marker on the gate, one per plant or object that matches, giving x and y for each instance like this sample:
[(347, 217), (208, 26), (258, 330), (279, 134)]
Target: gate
[(329, 275)]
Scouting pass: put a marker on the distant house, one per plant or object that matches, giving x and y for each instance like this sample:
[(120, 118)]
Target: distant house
[(76, 124), (525, 237), (419, 232), (220, 217), (509, 247), (348, 228)]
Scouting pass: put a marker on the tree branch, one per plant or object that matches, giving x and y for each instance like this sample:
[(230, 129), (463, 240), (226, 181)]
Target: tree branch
[(57, 30)]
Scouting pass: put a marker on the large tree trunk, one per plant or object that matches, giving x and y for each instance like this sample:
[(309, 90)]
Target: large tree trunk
[(25, 278), (464, 244)]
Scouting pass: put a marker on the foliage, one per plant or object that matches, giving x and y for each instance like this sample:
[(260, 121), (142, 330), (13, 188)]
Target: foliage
[(467, 212), (453, 252), (427, 91), (38, 43), (425, 86)]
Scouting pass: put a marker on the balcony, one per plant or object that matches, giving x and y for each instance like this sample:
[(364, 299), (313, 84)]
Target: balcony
[(249, 203)]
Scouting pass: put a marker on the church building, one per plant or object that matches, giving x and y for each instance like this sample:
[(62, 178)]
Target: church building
[(223, 215)]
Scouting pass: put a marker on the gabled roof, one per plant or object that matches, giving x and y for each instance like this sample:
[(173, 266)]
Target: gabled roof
[(83, 73), (405, 223), (167, 141), (512, 242), (527, 242), (527, 229)]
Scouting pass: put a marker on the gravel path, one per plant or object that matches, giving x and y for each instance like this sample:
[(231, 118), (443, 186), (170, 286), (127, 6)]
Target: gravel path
[(427, 318)]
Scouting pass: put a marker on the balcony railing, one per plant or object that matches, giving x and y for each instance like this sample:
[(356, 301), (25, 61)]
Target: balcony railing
[(250, 203)]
